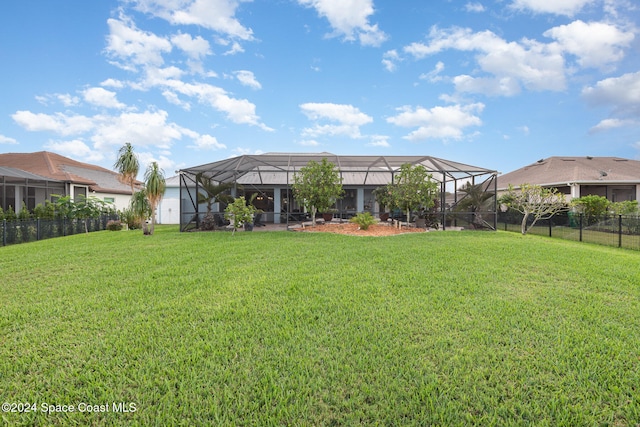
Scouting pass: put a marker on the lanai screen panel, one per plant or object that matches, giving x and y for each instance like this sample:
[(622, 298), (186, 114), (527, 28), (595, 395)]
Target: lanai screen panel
[(278, 169)]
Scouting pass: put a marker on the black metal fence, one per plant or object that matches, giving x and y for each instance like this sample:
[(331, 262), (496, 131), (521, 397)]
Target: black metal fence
[(23, 231), (621, 231)]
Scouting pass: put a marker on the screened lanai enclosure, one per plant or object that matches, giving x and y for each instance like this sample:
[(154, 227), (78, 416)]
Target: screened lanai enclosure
[(466, 198)]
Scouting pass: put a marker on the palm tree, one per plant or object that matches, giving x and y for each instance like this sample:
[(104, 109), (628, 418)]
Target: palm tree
[(213, 192), (154, 185), (127, 165), (474, 201), (140, 208)]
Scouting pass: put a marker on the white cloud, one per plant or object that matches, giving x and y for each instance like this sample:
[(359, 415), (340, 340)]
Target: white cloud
[(622, 95), (390, 59), (108, 132), (216, 15), (556, 7), (207, 142), (65, 99), (348, 119), (347, 114), (75, 149), (379, 141), (621, 92), (7, 140), (474, 7), (596, 44), (433, 75), (528, 63), (114, 83), (149, 128), (350, 19), (102, 98), (438, 122), (195, 48), (248, 79), (59, 123), (608, 124), (131, 47), (240, 111)]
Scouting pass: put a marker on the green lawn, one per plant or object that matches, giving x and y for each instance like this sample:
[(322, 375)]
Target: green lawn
[(283, 328)]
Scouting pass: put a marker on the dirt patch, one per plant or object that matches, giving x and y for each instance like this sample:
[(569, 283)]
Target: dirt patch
[(354, 230)]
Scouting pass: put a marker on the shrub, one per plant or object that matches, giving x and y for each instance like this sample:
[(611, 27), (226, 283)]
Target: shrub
[(114, 225), (131, 219), (364, 220)]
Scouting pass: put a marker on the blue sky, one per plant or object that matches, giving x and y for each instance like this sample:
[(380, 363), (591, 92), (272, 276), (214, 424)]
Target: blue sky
[(492, 83)]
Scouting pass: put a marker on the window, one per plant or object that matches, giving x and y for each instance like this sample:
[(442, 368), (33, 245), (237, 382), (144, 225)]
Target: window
[(110, 200)]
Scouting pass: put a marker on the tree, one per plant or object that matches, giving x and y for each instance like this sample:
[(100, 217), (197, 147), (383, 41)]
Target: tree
[(155, 186), (413, 189), (317, 186), (474, 200), (141, 209), (593, 207), (213, 192), (127, 165), (83, 208), (239, 213), (535, 201)]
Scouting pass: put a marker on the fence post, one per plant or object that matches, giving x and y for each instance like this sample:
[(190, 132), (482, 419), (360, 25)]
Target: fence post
[(619, 231), (4, 232), (550, 226), (37, 228), (581, 216)]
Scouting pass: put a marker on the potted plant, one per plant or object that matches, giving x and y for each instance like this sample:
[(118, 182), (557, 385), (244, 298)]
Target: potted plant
[(327, 215)]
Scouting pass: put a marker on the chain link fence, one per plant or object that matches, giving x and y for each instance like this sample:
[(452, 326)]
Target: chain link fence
[(621, 231), (23, 231)]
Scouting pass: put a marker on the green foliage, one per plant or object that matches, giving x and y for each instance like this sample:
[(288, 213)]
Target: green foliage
[(384, 196), (1, 213), (24, 213), (127, 164), (239, 212), (155, 186), (114, 225), (534, 201), (592, 207), (212, 192), (317, 186), (129, 217), (413, 189), (140, 209), (364, 220), (10, 214), (314, 329), (628, 207)]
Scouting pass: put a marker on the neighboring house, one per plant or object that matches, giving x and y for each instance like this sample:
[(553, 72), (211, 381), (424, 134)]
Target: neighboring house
[(169, 206), (45, 174), (615, 178)]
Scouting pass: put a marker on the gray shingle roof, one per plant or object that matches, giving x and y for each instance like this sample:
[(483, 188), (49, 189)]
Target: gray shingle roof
[(556, 171)]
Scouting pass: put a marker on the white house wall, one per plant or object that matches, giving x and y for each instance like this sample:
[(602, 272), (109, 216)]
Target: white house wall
[(169, 207)]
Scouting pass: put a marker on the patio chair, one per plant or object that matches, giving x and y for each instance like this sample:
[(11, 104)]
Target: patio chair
[(220, 221), (257, 220)]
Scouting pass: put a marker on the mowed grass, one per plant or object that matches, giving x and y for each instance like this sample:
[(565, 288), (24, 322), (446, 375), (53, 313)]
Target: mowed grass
[(283, 328)]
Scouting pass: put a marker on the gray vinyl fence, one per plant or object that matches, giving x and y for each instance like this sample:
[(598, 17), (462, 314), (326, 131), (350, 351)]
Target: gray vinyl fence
[(23, 231), (621, 231)]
